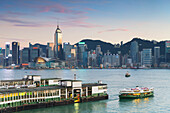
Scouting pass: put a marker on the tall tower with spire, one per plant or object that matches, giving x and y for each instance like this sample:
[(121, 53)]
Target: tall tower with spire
[(58, 43)]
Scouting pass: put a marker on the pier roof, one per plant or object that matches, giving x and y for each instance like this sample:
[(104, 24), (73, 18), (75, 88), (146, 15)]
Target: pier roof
[(50, 78), (14, 80), (5, 91), (92, 84), (72, 80)]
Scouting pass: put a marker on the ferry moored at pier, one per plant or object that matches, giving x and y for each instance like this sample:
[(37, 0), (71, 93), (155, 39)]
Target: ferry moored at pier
[(34, 92)]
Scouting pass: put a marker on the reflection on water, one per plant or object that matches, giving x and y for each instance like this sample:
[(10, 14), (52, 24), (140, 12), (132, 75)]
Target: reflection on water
[(76, 107), (87, 107), (139, 100), (136, 101), (133, 105)]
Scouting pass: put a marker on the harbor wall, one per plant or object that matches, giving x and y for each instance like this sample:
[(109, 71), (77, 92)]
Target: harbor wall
[(51, 104)]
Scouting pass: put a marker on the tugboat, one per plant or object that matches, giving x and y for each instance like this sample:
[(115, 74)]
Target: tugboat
[(127, 74), (138, 92)]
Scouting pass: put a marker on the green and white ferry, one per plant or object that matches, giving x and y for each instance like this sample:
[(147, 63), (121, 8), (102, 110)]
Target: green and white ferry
[(138, 92)]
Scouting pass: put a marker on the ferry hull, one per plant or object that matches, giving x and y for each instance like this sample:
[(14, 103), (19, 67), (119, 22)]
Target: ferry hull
[(136, 95)]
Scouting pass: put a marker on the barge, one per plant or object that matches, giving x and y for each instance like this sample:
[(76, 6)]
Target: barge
[(33, 92), (138, 92)]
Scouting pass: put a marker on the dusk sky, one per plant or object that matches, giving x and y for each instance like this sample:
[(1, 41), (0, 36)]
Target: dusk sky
[(107, 20)]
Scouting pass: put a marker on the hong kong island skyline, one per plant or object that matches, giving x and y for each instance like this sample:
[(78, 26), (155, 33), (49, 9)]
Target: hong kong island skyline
[(111, 21)]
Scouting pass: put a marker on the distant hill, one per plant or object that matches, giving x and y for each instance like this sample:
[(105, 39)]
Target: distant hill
[(144, 44), (91, 44)]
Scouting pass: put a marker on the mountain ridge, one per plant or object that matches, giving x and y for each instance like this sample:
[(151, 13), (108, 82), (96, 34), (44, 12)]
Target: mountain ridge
[(125, 48)]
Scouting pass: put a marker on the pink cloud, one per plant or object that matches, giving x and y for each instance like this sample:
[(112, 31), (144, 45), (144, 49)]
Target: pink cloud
[(89, 2), (33, 25), (21, 23), (58, 8), (12, 20), (42, 6), (112, 30), (16, 39), (49, 6), (80, 21), (66, 22), (74, 17), (16, 13)]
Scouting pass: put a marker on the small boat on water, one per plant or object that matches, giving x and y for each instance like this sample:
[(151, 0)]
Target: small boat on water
[(138, 92), (127, 75)]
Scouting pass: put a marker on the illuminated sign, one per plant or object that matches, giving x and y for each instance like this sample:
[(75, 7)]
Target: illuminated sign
[(81, 42), (167, 44), (69, 56), (24, 64), (35, 47)]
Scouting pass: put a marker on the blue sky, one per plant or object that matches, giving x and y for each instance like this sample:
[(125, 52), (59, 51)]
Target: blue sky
[(108, 20)]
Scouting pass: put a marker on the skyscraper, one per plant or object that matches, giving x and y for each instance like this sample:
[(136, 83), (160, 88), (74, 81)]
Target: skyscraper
[(134, 51), (7, 49), (167, 51), (73, 61), (8, 60), (107, 59), (156, 55), (25, 55), (35, 51), (43, 49), (115, 60), (67, 50), (81, 49), (92, 58), (98, 55), (58, 43), (146, 57), (1, 58), (0, 50), (50, 50), (15, 53)]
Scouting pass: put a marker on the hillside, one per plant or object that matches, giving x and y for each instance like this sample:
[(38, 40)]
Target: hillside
[(91, 44)]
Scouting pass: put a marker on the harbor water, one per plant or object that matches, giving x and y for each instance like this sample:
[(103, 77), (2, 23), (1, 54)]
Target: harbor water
[(116, 80)]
